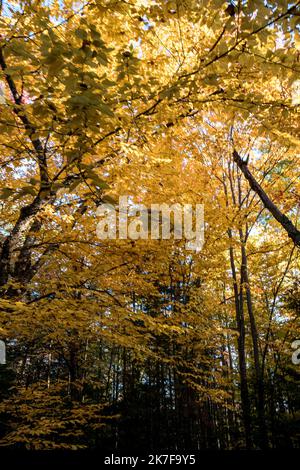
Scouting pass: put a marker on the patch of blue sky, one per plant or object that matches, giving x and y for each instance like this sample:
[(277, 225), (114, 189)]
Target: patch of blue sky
[(9, 8), (25, 168), (66, 198), (4, 232)]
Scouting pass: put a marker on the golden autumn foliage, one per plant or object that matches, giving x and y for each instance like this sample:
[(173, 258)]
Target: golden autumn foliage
[(143, 342)]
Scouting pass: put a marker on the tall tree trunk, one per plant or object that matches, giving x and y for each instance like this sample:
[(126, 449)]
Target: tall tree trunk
[(263, 439), (240, 321), (259, 381)]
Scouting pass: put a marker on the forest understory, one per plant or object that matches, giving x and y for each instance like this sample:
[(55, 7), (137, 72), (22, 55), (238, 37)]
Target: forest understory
[(115, 342)]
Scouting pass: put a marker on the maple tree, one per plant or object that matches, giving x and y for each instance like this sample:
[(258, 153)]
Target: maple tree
[(118, 342)]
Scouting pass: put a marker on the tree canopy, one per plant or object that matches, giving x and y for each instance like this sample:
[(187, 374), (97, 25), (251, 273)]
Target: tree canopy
[(117, 343)]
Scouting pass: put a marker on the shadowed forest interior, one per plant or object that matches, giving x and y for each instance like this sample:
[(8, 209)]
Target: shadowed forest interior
[(120, 343)]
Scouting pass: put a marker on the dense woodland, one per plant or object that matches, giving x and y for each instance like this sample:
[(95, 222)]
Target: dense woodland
[(143, 344)]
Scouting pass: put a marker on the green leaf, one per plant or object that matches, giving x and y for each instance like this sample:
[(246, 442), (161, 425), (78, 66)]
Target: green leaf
[(25, 191), (6, 193), (105, 109), (108, 83), (81, 33), (109, 200), (97, 180), (33, 181), (102, 59), (74, 185)]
